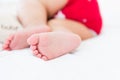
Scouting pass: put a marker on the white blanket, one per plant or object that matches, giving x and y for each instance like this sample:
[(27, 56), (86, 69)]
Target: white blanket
[(95, 59)]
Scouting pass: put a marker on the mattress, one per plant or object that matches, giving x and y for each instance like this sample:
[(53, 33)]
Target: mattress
[(95, 59)]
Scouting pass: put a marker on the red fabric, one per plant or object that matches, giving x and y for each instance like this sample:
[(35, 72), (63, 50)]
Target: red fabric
[(86, 12)]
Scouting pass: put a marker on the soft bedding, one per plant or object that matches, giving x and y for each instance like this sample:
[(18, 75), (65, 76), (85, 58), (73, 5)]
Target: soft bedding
[(95, 59)]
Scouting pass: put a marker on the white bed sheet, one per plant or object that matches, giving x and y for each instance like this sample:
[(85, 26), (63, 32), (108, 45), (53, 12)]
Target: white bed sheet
[(95, 59)]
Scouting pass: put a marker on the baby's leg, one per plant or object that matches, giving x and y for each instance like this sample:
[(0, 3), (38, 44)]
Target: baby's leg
[(33, 15), (66, 36)]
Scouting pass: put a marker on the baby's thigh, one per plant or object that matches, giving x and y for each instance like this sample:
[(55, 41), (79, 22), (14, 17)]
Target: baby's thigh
[(53, 6)]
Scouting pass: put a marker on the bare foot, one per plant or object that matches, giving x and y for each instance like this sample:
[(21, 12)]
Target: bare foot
[(19, 39), (51, 45)]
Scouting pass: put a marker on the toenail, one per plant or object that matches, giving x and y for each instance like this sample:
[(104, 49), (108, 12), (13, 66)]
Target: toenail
[(32, 47), (35, 52)]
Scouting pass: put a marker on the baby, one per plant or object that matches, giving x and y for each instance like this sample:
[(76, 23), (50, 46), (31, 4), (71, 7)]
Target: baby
[(50, 37)]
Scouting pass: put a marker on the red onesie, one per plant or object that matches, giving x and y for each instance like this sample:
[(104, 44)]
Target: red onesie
[(84, 11)]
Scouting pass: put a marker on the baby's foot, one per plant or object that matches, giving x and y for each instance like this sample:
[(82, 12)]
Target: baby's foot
[(19, 39), (53, 44)]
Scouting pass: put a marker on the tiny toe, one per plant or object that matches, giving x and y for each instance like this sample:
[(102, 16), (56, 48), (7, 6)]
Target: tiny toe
[(5, 46), (7, 42), (44, 58), (39, 55), (36, 52), (33, 40), (7, 49), (33, 47)]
